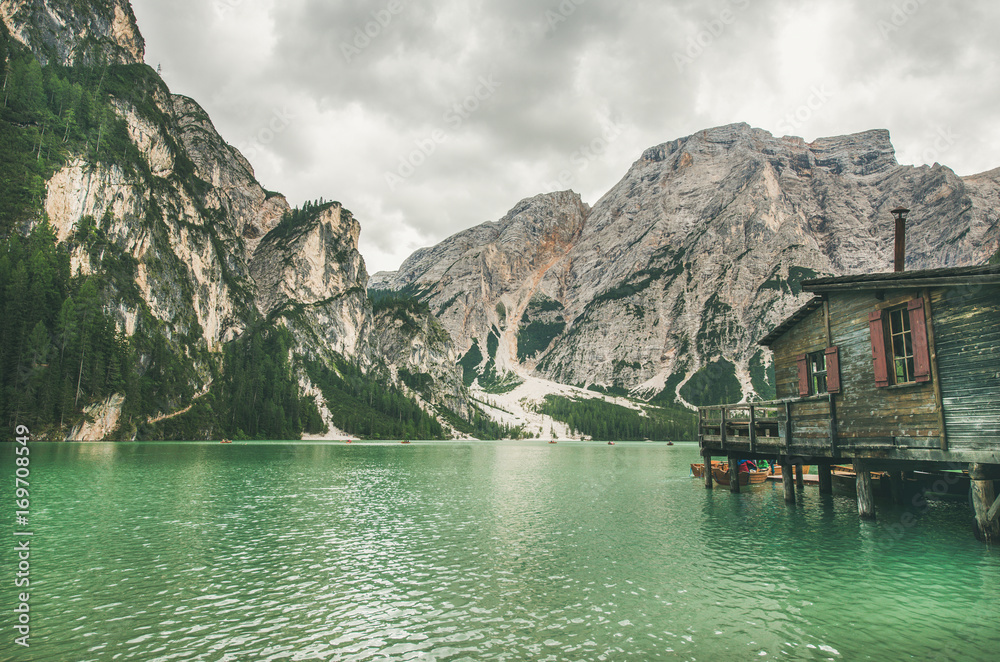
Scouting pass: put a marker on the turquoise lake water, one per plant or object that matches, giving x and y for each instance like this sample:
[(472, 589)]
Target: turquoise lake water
[(475, 551)]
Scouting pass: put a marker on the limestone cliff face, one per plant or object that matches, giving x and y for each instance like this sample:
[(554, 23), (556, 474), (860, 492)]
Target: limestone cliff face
[(482, 281), (58, 31), (201, 252), (313, 271), (189, 237), (698, 251), (419, 355), (234, 192)]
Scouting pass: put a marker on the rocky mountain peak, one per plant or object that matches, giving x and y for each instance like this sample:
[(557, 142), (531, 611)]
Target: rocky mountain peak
[(63, 32), (694, 255), (860, 154), (545, 223)]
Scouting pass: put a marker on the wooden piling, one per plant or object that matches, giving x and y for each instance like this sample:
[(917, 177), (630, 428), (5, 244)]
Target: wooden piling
[(707, 457), (786, 480), (896, 486), (825, 479), (734, 474), (866, 498), (985, 504), (799, 480)]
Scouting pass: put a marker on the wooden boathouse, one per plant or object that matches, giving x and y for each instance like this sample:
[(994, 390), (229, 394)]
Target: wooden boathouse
[(894, 372)]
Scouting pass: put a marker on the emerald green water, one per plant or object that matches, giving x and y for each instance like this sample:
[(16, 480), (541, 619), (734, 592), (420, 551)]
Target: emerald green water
[(475, 551)]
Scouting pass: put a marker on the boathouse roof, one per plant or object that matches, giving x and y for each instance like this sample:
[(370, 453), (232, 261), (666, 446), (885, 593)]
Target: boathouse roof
[(982, 275)]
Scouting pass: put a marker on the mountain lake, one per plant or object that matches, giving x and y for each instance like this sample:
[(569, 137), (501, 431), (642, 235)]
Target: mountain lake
[(475, 551)]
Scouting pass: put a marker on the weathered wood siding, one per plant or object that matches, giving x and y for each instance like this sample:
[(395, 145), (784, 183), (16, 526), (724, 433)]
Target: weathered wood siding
[(809, 335), (967, 337), (899, 415), (902, 415)]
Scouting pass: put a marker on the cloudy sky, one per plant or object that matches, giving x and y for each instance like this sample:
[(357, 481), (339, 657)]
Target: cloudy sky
[(425, 117)]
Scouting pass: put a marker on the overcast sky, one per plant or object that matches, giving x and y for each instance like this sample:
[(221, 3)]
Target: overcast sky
[(426, 117)]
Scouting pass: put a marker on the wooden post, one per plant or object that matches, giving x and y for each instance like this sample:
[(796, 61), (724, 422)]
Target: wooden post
[(788, 427), (722, 429), (866, 498), (896, 487), (799, 480), (707, 456), (825, 478), (935, 377), (826, 318), (985, 503), (833, 426), (753, 430), (734, 474), (786, 480)]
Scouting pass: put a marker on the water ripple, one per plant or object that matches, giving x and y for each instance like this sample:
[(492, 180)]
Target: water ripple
[(480, 552)]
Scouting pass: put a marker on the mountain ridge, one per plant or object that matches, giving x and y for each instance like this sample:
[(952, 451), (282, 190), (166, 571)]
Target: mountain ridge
[(698, 250), (169, 295), (237, 315)]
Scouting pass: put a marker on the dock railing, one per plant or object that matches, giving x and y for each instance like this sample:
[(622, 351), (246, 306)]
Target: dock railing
[(770, 426)]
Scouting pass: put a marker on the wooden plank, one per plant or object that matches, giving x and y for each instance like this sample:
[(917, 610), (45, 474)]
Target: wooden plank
[(866, 498), (833, 424), (801, 366), (875, 326), (916, 309), (788, 425), (826, 319), (903, 283), (967, 356)]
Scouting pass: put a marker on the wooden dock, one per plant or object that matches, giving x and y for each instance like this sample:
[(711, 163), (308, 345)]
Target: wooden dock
[(896, 373)]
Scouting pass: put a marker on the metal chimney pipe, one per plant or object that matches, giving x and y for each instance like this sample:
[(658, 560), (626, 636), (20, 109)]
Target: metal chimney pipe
[(900, 257)]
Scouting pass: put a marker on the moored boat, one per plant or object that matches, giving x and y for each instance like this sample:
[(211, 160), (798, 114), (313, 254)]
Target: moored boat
[(698, 470), (721, 476)]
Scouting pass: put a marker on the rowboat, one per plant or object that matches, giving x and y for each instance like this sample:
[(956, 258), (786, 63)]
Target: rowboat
[(720, 472), (844, 476), (776, 470), (721, 476), (698, 470)]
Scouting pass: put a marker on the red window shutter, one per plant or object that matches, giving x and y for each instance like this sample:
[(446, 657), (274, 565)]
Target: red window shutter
[(833, 370), (921, 351), (878, 348), (803, 375)]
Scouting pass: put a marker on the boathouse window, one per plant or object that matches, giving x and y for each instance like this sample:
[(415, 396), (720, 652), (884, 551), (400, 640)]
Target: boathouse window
[(819, 372), (899, 344)]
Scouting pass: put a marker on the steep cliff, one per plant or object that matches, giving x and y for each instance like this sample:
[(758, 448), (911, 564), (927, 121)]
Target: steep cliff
[(664, 287), (309, 272), (69, 32), (210, 280)]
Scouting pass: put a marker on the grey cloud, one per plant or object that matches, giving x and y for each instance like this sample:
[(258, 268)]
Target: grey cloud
[(564, 73)]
